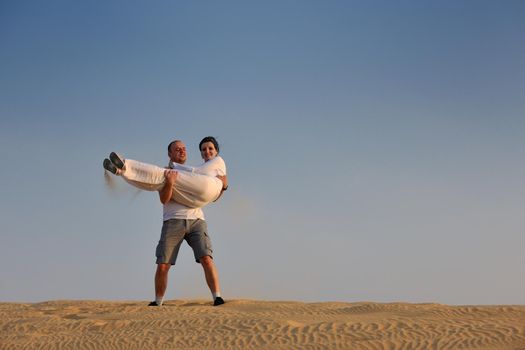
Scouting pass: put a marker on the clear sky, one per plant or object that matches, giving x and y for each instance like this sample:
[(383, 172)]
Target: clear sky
[(375, 149)]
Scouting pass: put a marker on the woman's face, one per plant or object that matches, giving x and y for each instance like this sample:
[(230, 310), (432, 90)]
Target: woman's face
[(208, 151)]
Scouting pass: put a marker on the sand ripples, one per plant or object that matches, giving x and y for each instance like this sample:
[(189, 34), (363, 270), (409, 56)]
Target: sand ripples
[(245, 324)]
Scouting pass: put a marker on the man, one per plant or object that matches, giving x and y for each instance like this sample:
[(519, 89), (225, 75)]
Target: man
[(182, 223)]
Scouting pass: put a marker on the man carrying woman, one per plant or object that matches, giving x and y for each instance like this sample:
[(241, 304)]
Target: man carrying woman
[(181, 221)]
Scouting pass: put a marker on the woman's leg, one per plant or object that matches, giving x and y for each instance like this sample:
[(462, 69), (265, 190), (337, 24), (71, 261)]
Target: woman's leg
[(191, 189), (195, 190), (144, 176)]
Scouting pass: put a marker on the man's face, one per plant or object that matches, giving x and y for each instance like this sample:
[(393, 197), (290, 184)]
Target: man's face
[(177, 152)]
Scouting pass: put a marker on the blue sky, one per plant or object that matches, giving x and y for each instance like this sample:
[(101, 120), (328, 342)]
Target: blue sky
[(375, 148)]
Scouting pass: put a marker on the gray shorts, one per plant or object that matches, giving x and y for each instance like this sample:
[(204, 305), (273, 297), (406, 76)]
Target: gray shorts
[(174, 231)]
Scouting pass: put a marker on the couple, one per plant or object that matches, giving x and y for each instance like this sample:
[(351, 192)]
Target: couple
[(182, 191)]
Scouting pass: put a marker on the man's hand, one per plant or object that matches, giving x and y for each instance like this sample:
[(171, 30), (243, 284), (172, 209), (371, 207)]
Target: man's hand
[(166, 191), (224, 180), (171, 176)]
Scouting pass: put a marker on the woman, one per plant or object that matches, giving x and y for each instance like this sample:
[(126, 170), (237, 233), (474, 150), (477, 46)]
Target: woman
[(194, 186)]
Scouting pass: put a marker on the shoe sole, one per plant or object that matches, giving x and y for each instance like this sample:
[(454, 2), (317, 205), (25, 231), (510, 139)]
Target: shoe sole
[(115, 159), (109, 166)]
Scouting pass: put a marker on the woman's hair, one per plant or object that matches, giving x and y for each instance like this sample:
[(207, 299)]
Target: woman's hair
[(210, 139)]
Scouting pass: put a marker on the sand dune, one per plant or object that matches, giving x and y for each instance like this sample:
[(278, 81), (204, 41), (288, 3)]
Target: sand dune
[(247, 324)]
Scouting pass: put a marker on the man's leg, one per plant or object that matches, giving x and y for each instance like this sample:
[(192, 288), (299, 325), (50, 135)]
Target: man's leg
[(210, 272), (161, 282), (199, 241), (167, 250), (212, 279)]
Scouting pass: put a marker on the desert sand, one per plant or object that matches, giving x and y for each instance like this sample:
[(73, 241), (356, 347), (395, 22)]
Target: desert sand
[(252, 324)]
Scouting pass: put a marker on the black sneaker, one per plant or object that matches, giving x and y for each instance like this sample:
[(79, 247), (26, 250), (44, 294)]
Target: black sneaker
[(109, 166), (115, 159), (218, 301), (153, 303)]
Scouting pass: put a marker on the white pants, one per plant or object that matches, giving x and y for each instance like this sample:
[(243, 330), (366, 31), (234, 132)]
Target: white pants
[(190, 189)]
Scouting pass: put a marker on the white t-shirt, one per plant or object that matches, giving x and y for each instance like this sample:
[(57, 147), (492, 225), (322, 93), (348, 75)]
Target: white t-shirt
[(174, 210), (213, 167)]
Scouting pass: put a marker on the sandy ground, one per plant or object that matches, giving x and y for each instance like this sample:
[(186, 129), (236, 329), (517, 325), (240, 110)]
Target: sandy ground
[(251, 324)]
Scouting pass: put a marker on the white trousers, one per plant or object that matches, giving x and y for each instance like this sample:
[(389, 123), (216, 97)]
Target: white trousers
[(191, 189)]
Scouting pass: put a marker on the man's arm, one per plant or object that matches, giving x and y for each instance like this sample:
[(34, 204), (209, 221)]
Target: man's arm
[(224, 179), (166, 191)]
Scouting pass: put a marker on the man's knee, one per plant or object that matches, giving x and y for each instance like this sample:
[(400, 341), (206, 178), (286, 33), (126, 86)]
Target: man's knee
[(206, 260), (163, 268)]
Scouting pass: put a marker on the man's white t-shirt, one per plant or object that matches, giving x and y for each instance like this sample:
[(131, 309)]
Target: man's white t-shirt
[(174, 210)]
